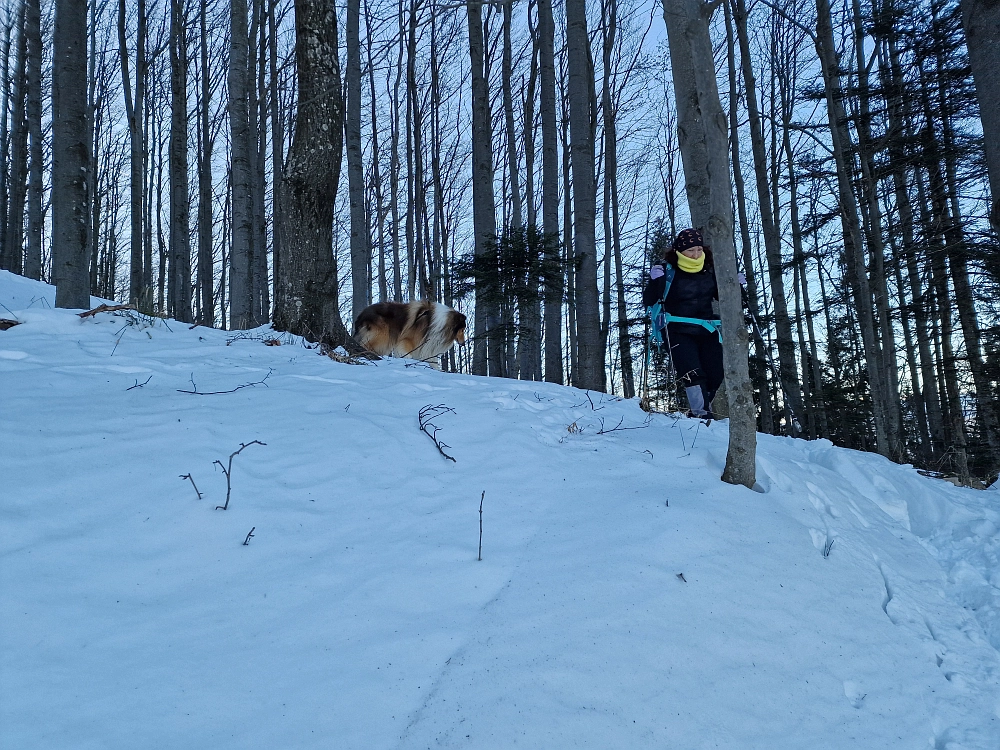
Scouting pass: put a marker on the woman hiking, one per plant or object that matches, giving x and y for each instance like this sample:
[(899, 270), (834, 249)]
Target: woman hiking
[(692, 325)]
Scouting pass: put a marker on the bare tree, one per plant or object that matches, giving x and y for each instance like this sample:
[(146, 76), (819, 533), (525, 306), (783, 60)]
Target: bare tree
[(241, 258), (703, 132), (360, 243), (485, 356), (180, 221), (309, 304), (71, 167), (590, 373)]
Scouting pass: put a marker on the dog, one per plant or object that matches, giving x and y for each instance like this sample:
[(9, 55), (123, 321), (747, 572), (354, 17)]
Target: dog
[(421, 330)]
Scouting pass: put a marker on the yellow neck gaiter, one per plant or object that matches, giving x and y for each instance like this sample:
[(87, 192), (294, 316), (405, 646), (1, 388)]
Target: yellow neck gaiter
[(690, 265)]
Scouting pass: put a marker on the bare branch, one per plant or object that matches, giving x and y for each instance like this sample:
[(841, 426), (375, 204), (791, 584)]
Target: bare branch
[(228, 471), (196, 392), (424, 416)]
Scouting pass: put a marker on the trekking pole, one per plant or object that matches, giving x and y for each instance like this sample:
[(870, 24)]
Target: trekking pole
[(770, 361)]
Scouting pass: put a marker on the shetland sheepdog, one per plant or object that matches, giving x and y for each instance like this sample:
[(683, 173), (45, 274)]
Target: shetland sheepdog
[(421, 330)]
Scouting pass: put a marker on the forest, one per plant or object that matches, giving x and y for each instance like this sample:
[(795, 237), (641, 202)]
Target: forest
[(256, 162)]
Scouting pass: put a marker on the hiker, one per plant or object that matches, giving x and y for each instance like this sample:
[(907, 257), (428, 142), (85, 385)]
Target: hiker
[(686, 275)]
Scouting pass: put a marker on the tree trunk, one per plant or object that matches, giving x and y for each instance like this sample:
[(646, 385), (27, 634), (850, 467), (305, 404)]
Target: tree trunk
[(981, 19), (484, 208), (206, 265), (758, 363), (772, 240), (140, 291), (550, 190), (241, 308), (180, 220), (71, 168), (13, 258), (703, 134), (309, 301), (33, 34), (5, 133), (853, 245), (591, 353), (277, 145), (360, 245)]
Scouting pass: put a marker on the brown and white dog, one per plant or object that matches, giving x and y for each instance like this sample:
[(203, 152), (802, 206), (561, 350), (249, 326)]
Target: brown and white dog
[(420, 329)]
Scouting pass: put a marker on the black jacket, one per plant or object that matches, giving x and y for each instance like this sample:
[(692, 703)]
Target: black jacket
[(690, 296)]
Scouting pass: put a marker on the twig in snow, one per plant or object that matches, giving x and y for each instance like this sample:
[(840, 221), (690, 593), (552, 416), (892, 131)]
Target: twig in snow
[(105, 308), (828, 547), (481, 525), (228, 471), (188, 476), (249, 537), (424, 417), (196, 392), (591, 401), (619, 428), (680, 577), (138, 384)]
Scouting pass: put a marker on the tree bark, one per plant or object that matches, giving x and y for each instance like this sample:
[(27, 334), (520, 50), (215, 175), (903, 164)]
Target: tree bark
[(550, 189), (703, 134), (206, 265), (360, 244), (5, 132), (981, 19), (71, 167), (140, 291), (180, 219), (241, 251), (591, 354), (13, 248), (484, 354), (309, 300), (33, 34)]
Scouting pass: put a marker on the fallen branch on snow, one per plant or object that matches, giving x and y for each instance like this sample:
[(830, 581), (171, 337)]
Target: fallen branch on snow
[(228, 471), (424, 416)]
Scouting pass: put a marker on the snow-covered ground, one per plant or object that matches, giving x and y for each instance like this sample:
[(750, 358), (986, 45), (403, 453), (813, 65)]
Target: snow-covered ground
[(626, 597)]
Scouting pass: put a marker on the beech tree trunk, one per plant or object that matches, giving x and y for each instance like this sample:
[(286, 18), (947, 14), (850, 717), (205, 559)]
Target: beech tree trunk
[(550, 188), (33, 35), (241, 250), (206, 265), (13, 248), (588, 321), (484, 354), (140, 288), (180, 213), (360, 244), (71, 168), (309, 304), (704, 142)]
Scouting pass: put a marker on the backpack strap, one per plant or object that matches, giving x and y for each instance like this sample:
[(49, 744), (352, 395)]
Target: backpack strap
[(656, 312)]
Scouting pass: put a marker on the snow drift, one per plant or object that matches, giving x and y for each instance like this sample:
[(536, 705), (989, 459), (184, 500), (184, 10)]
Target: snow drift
[(626, 597)]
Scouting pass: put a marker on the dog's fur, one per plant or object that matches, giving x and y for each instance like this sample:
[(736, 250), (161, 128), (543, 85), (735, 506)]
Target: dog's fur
[(421, 329)]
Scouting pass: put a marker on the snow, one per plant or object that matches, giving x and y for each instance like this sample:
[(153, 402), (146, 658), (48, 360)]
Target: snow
[(626, 598)]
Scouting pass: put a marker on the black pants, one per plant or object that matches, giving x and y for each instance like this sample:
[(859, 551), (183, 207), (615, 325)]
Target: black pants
[(697, 359)]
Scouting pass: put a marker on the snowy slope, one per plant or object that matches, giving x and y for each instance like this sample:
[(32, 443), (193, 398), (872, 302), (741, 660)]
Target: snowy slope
[(133, 616)]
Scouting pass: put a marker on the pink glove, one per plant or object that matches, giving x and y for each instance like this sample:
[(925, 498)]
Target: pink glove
[(655, 272)]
